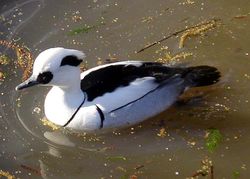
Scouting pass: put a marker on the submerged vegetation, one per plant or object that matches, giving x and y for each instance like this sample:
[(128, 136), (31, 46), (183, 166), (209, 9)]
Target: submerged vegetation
[(213, 138), (80, 30), (85, 29)]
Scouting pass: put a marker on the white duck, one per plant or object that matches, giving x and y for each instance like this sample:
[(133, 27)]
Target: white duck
[(113, 95)]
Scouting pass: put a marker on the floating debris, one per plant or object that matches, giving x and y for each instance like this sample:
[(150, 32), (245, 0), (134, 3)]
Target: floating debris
[(2, 76), (205, 170), (76, 16), (50, 124), (147, 19), (162, 133), (169, 57), (138, 167), (199, 29), (213, 138), (191, 143), (4, 60), (37, 110), (187, 2), (133, 177), (6, 174), (24, 57), (121, 169)]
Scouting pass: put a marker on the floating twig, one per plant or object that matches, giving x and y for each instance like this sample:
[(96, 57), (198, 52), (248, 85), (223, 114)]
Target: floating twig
[(206, 169), (212, 172), (197, 30), (33, 170), (176, 33)]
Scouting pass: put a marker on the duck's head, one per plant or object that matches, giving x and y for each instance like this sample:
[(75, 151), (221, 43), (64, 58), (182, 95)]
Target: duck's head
[(55, 66)]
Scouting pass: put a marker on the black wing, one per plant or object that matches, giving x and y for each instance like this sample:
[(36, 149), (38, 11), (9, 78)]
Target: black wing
[(108, 78)]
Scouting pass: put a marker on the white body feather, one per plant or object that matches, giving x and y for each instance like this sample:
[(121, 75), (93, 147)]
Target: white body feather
[(60, 104)]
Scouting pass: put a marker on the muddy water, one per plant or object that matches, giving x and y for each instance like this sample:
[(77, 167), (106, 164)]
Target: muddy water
[(171, 145)]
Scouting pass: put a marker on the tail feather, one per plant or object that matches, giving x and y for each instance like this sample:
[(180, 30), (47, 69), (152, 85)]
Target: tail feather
[(202, 76)]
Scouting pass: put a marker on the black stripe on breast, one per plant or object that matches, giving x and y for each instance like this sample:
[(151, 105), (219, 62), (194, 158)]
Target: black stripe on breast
[(72, 117), (101, 116)]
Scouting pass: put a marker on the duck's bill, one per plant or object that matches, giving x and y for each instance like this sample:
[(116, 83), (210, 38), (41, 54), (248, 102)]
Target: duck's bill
[(28, 83)]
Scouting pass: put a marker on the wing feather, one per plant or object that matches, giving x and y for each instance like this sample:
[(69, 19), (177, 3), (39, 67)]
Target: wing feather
[(108, 78)]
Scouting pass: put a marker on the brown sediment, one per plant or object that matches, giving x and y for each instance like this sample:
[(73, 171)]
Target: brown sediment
[(24, 57)]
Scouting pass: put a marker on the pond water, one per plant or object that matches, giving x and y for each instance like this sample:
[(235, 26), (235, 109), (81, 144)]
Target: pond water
[(170, 145)]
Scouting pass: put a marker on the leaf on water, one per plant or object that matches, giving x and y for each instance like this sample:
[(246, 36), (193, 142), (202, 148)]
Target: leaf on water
[(82, 30), (125, 176), (116, 158), (236, 174), (213, 138), (85, 29)]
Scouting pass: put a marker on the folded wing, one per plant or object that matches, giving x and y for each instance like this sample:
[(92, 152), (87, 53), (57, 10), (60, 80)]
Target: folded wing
[(114, 85)]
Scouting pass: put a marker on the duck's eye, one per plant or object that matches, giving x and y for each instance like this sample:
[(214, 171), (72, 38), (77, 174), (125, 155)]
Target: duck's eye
[(45, 77)]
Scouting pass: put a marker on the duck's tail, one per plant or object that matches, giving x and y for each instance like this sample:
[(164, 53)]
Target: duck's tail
[(202, 76)]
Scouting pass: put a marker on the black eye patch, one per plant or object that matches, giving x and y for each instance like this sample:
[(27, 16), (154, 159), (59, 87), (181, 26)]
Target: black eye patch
[(70, 60), (45, 77)]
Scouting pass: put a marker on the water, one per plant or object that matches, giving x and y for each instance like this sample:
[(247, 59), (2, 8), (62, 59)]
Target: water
[(118, 29)]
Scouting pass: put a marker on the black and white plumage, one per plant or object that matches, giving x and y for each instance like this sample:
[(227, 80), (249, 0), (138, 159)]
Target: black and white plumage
[(112, 95)]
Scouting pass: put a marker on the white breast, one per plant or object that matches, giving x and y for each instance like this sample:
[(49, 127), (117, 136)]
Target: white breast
[(60, 106)]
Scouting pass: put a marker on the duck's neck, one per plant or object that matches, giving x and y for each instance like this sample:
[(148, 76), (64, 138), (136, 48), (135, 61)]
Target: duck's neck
[(62, 102), (72, 94)]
